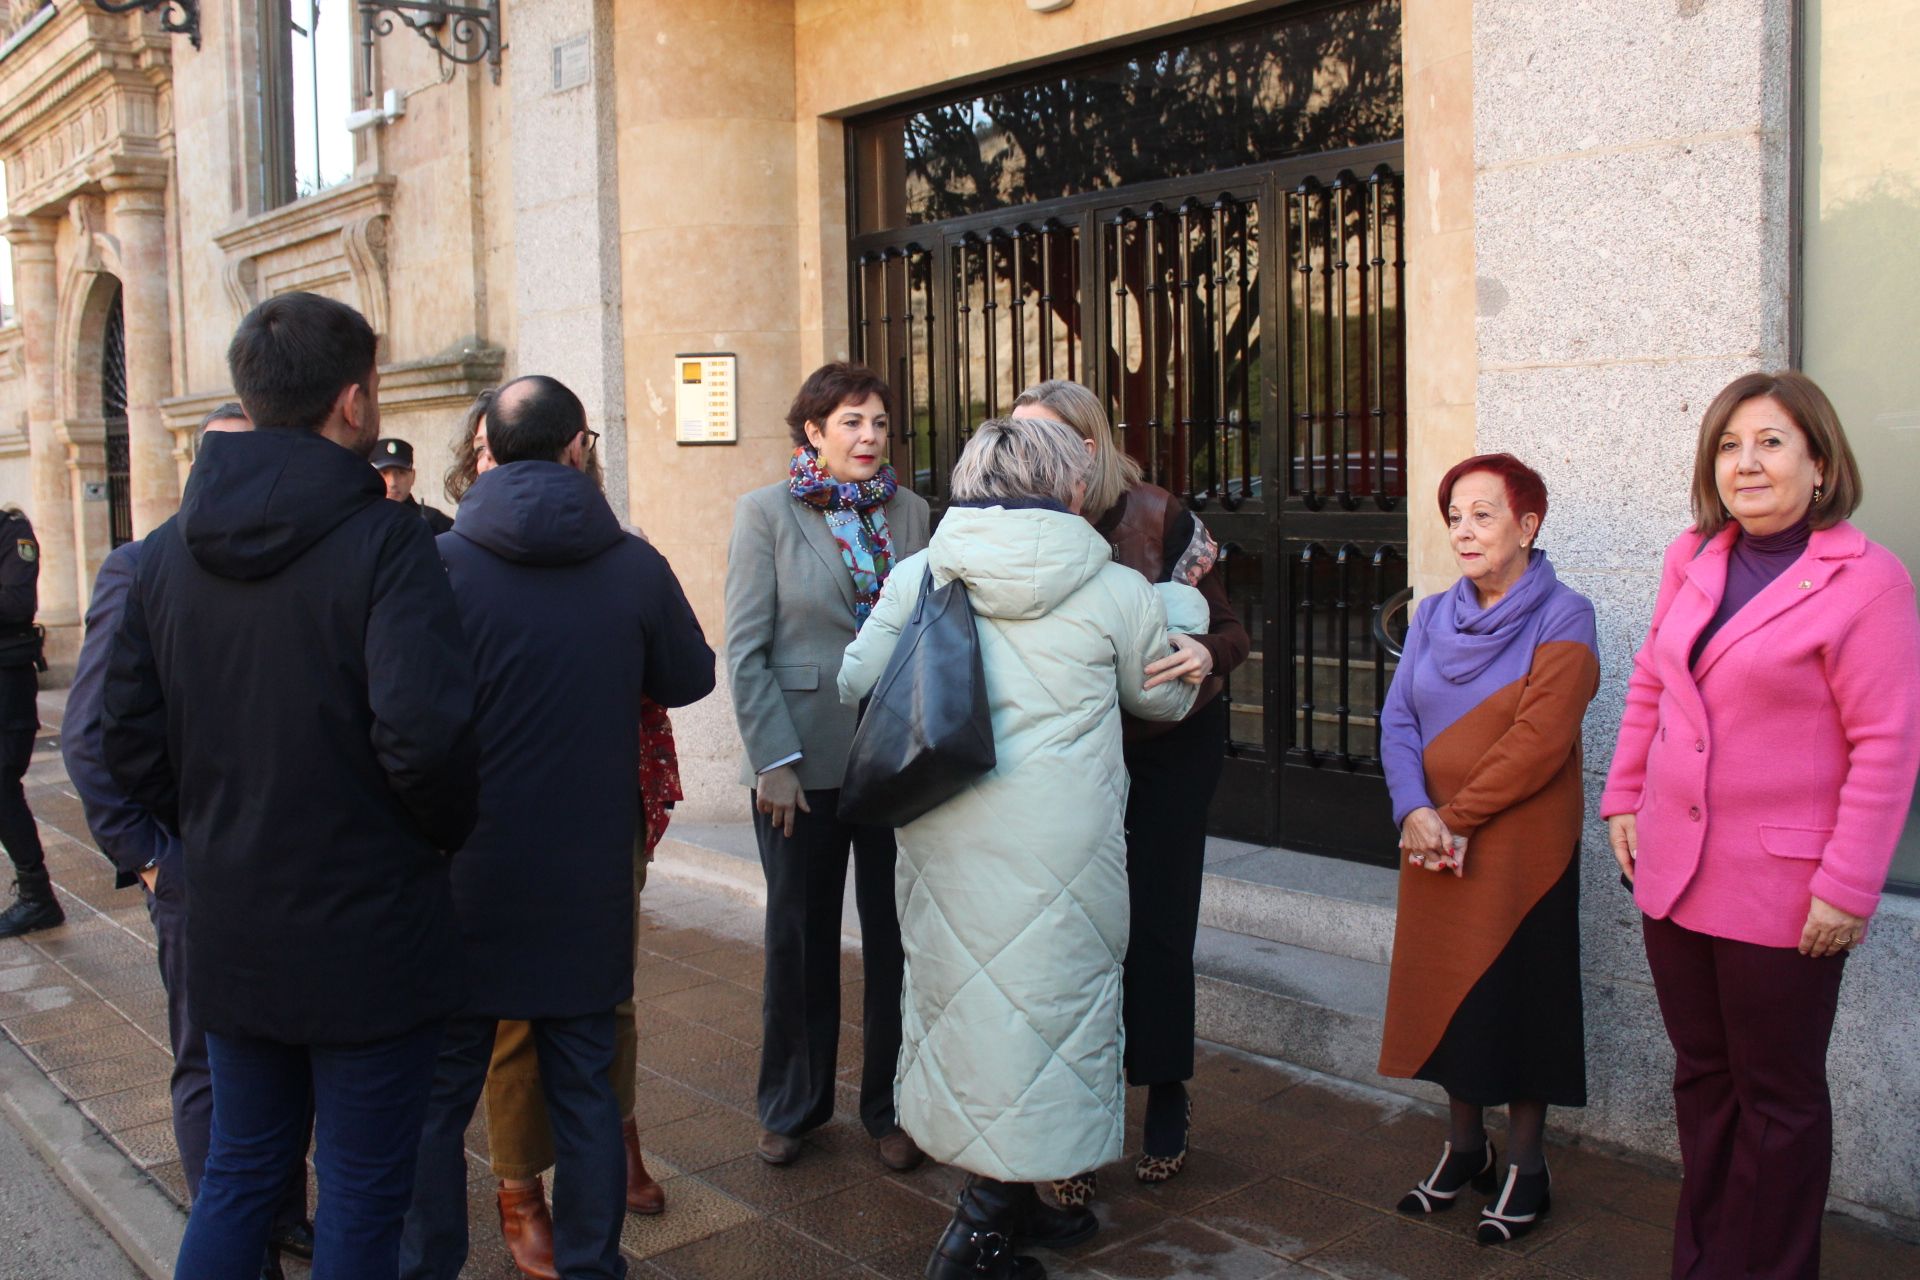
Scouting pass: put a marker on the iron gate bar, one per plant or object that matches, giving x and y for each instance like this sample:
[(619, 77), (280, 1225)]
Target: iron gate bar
[(1183, 388), (989, 307), (1303, 397), (1343, 611), (1046, 298), (1340, 437), (1377, 264), (964, 334), (1212, 265), (1019, 309), (1248, 210), (1122, 420)]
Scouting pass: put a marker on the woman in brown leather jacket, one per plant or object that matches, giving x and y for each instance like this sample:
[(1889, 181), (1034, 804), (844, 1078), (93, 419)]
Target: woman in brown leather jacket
[(1173, 771)]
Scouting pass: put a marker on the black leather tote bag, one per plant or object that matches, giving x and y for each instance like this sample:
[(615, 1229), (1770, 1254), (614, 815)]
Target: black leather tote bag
[(927, 732)]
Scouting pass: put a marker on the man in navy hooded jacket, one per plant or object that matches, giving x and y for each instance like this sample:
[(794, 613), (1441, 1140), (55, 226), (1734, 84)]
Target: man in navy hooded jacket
[(572, 621), (290, 692)]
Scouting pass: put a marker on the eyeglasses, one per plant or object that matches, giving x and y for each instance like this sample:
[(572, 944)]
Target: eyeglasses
[(593, 438)]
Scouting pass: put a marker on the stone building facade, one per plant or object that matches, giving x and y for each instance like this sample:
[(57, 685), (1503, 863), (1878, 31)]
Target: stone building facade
[(1570, 225)]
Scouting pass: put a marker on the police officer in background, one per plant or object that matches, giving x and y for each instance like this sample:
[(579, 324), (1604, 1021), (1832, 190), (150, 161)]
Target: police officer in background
[(393, 459), (34, 905)]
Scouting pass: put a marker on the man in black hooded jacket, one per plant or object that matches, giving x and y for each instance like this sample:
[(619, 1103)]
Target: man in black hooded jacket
[(289, 690), (572, 621)]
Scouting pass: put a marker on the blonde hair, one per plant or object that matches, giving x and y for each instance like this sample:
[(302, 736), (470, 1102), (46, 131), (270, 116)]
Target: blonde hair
[(1801, 399), (1113, 471), (1021, 458)]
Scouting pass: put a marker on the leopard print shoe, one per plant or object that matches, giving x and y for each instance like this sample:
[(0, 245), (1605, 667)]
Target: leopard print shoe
[(1078, 1192), (1156, 1169)]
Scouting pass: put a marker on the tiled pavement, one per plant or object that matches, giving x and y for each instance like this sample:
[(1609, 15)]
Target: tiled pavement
[(1292, 1175)]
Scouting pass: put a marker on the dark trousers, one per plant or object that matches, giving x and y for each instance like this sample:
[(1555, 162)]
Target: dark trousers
[(1173, 777), (1749, 1026), (18, 719), (800, 1013), (192, 1082), (368, 1103), (590, 1161)]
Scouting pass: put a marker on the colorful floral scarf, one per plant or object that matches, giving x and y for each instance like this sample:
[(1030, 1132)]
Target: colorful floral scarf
[(856, 518)]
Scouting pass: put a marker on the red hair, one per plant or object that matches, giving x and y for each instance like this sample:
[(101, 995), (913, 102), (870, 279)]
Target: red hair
[(1526, 491)]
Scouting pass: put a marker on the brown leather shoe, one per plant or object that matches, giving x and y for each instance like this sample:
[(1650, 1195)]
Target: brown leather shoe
[(899, 1152), (527, 1225), (643, 1193), (777, 1148)]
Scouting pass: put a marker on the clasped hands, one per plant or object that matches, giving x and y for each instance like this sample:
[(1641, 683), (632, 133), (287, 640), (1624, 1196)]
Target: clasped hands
[(1427, 842), (1827, 932)]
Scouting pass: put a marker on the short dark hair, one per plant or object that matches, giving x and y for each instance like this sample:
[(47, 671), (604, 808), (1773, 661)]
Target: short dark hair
[(829, 387), (1526, 491), (231, 409), (535, 425), (292, 355), (226, 412)]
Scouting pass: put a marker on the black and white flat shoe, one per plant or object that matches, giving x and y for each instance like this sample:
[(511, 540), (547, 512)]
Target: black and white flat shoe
[(1524, 1201), (1454, 1174)]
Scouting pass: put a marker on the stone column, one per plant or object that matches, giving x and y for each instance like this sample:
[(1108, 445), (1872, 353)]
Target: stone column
[(37, 289), (136, 216)]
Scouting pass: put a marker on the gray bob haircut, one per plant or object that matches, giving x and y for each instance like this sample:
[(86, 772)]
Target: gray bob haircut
[(1011, 459)]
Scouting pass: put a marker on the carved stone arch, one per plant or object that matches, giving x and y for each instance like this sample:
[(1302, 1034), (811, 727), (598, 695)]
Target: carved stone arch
[(86, 300), (87, 295)]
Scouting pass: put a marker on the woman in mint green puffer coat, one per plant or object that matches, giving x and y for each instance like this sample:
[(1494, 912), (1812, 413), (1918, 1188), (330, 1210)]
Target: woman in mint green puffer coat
[(1013, 895)]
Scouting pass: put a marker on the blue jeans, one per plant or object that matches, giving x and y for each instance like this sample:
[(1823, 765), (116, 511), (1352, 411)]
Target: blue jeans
[(368, 1104), (590, 1160), (192, 1082)]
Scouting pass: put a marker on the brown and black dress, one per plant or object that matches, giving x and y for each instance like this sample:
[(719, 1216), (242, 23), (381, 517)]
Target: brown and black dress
[(1483, 724)]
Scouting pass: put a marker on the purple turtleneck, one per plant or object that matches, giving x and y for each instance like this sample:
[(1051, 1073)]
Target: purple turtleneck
[(1751, 565)]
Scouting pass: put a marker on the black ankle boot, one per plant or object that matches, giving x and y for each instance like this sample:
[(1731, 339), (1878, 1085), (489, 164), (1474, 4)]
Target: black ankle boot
[(1042, 1226), (978, 1244), (34, 905)]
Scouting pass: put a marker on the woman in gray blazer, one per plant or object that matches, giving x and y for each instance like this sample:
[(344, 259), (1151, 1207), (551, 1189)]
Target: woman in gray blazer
[(806, 563)]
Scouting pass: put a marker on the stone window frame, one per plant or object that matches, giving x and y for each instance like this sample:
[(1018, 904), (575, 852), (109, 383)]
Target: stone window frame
[(271, 60)]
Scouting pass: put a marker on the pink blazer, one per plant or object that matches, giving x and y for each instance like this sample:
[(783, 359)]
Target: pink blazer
[(1782, 766)]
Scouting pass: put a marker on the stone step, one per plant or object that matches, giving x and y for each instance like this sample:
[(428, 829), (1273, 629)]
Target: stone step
[(1290, 963), (1323, 904), (1306, 1007), (1276, 895)]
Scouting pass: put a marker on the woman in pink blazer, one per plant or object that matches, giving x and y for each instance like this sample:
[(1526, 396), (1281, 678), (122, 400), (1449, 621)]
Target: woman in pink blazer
[(1763, 773)]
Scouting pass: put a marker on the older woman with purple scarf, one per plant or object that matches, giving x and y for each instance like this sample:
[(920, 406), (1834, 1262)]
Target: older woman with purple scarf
[(806, 564), (1480, 736)]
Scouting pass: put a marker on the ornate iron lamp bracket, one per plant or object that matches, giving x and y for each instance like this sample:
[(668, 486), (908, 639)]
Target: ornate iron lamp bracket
[(187, 23), (463, 33)]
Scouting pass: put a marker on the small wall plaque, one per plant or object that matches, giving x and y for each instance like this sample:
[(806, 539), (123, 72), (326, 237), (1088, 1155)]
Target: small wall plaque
[(705, 407), (572, 63)]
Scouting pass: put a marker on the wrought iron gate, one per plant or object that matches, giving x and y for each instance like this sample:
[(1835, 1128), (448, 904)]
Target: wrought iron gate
[(1246, 330), (113, 408)]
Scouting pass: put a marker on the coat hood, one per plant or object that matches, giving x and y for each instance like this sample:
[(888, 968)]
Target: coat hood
[(1018, 563), (258, 499), (539, 513)]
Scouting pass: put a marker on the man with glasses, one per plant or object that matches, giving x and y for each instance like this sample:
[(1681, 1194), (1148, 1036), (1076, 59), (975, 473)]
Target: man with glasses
[(572, 622)]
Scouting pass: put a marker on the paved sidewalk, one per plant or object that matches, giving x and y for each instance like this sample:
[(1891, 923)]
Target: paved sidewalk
[(1293, 1175)]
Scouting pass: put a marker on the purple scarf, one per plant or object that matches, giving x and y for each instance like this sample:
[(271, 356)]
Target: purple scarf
[(1465, 639)]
